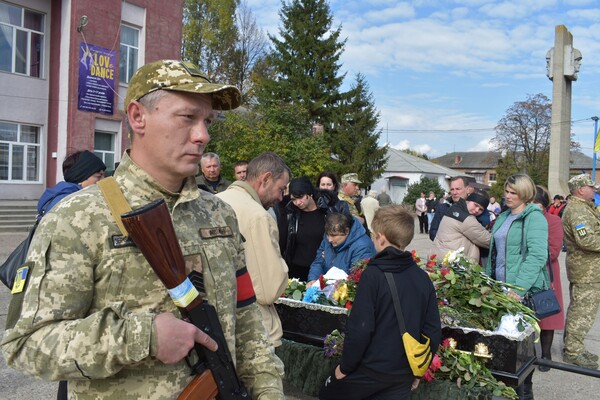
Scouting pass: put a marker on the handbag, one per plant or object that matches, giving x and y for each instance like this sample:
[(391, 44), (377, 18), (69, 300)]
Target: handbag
[(16, 259), (544, 303), (418, 354)]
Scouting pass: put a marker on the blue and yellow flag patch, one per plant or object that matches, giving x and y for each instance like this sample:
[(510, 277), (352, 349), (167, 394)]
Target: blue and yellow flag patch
[(20, 280), (580, 229)]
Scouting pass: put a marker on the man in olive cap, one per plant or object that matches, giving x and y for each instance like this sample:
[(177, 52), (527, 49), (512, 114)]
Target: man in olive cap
[(92, 311), (581, 224), (351, 189)]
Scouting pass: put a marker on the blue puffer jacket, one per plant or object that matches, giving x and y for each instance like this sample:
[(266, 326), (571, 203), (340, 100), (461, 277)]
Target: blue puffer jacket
[(356, 247), (56, 193), (527, 233)]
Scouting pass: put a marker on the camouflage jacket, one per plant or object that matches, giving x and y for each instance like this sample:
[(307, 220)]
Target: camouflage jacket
[(581, 223), (87, 312), (344, 197)]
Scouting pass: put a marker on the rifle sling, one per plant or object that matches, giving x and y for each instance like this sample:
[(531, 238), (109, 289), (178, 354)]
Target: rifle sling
[(116, 201)]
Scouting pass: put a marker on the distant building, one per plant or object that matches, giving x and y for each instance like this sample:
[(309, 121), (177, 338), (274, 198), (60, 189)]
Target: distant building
[(479, 164), (64, 70), (483, 164), (403, 169)]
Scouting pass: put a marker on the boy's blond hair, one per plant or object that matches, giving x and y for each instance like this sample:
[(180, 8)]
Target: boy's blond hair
[(396, 223)]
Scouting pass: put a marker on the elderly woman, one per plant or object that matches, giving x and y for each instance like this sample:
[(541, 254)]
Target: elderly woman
[(345, 242), (519, 247)]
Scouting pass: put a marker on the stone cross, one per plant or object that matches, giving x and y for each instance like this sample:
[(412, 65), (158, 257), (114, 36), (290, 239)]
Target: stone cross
[(562, 66)]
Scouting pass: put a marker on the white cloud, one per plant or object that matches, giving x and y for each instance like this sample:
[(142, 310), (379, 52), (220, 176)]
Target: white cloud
[(402, 145), (483, 145)]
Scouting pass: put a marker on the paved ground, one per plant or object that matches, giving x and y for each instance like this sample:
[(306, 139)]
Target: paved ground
[(553, 385)]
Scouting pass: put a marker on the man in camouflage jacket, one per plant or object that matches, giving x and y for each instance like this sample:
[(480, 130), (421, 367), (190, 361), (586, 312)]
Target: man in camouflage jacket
[(92, 311), (581, 224)]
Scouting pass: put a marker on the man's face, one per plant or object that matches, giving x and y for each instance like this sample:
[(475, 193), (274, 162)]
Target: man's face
[(240, 172), (211, 168), (170, 138), (351, 188), (271, 190), (587, 193), (458, 190)]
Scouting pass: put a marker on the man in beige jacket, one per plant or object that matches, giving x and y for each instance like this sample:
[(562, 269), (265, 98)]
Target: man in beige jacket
[(267, 178)]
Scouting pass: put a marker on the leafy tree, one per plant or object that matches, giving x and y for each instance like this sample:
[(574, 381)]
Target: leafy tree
[(354, 141), (305, 62), (424, 185), (250, 52), (284, 129), (523, 136), (209, 36)]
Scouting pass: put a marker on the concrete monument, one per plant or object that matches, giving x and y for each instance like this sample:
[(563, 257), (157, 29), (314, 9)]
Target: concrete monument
[(562, 66)]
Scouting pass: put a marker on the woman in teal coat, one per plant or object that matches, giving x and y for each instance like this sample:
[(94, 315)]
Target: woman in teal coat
[(519, 247)]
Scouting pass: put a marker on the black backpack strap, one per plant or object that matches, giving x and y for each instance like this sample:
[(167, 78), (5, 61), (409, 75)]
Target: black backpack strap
[(396, 300)]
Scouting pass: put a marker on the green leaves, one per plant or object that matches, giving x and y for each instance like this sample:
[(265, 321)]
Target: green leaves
[(476, 299)]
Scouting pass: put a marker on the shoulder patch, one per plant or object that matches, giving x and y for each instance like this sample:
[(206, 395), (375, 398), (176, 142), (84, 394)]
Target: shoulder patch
[(20, 279), (580, 229)]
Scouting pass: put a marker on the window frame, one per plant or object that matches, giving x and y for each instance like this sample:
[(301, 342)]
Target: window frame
[(129, 48), (29, 32), (27, 148), (101, 153)]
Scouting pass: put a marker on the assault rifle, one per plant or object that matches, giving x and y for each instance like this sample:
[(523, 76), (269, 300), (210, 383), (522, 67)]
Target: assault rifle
[(151, 228)]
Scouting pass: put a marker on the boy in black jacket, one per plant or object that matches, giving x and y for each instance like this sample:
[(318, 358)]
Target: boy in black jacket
[(374, 363)]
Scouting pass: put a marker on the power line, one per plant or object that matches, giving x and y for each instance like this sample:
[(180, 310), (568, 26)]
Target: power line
[(572, 122)]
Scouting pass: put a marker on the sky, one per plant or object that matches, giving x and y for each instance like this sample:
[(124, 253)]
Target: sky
[(443, 73)]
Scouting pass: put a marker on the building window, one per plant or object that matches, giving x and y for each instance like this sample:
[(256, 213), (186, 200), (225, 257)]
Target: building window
[(104, 148), (21, 40), (128, 58), (19, 152), (492, 177)]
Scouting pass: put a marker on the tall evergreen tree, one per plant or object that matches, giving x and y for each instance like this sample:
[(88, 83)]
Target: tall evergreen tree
[(305, 61), (354, 141), (209, 36)]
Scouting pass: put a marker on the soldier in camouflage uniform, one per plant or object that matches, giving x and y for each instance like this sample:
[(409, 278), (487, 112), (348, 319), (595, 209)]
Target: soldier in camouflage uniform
[(92, 311), (350, 189), (581, 223)]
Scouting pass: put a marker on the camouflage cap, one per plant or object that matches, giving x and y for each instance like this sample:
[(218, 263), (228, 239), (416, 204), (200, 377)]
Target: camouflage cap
[(351, 177), (180, 76), (581, 180)]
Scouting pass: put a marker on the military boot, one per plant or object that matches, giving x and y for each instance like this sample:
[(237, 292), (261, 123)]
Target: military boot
[(580, 360)]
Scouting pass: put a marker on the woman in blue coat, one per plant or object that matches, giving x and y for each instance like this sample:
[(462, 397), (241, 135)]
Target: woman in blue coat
[(345, 242), (519, 248)]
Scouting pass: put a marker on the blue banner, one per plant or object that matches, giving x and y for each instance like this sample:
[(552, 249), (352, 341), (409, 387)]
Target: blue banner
[(96, 87)]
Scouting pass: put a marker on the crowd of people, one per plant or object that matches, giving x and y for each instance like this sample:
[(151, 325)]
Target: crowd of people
[(91, 313)]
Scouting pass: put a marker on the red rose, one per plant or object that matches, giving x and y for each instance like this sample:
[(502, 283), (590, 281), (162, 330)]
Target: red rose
[(322, 282), (436, 363)]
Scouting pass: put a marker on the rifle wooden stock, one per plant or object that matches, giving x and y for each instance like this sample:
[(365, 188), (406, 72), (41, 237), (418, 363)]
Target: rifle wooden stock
[(151, 228)]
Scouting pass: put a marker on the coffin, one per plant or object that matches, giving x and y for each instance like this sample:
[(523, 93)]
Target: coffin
[(307, 322), (512, 357)]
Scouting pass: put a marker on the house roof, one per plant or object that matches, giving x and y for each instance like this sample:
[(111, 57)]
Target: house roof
[(399, 161), (470, 159), (478, 160)]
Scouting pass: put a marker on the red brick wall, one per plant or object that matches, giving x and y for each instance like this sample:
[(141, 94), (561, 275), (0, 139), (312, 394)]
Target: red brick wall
[(163, 40)]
